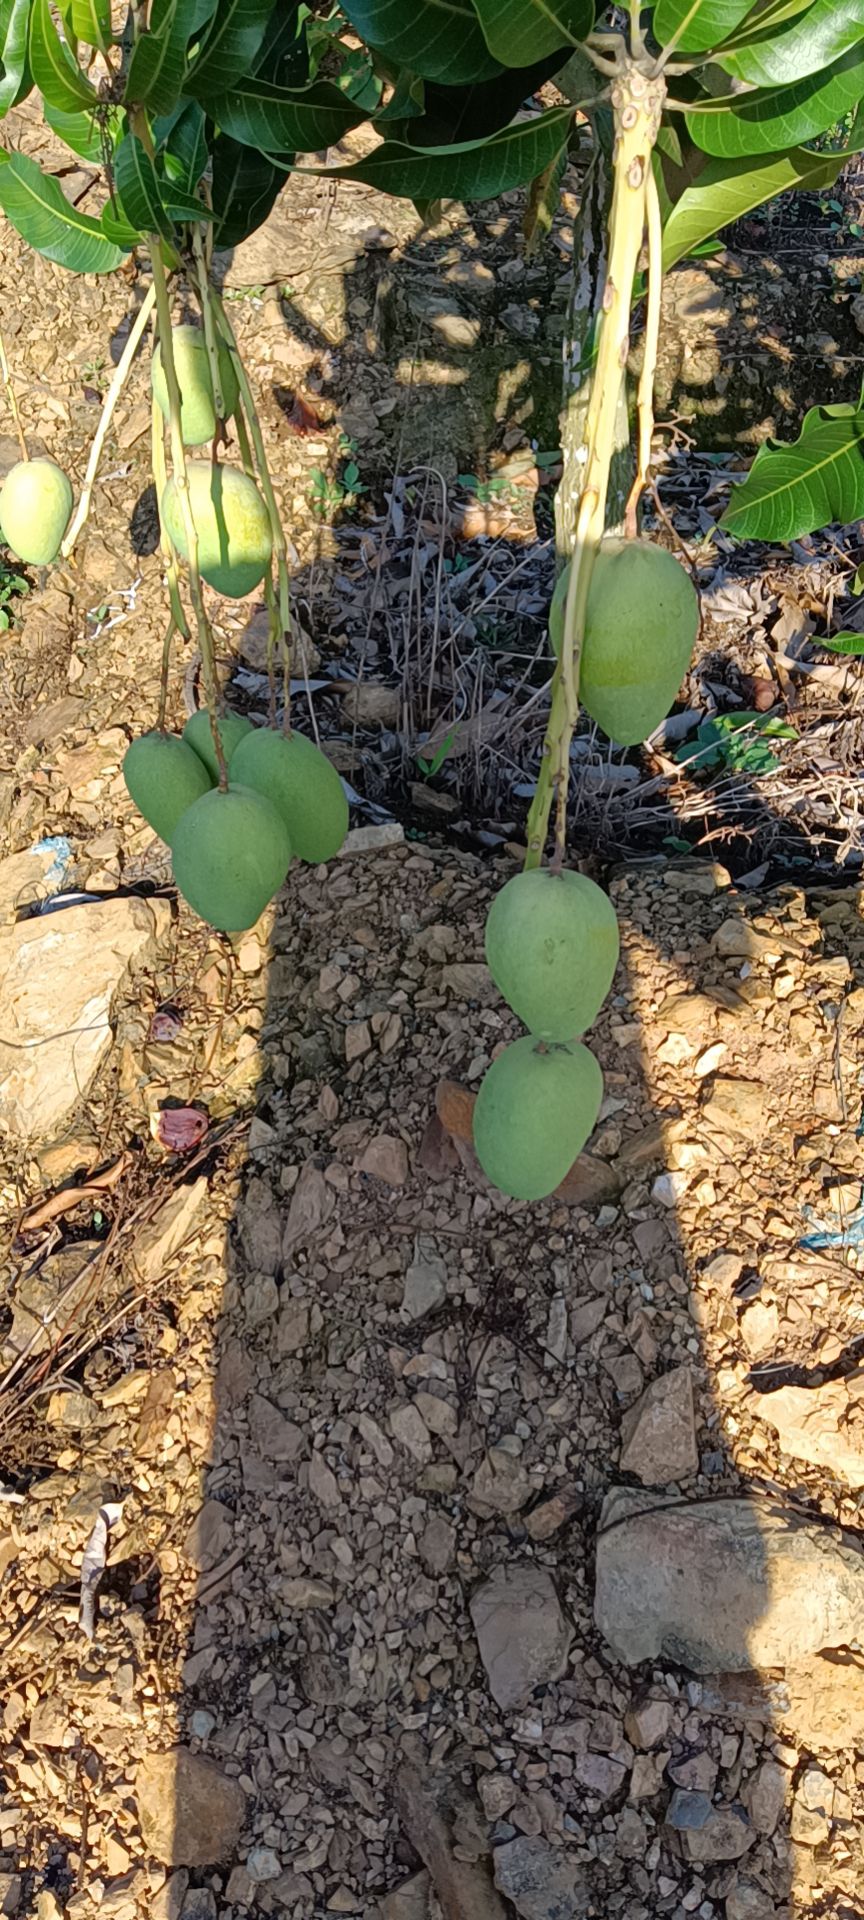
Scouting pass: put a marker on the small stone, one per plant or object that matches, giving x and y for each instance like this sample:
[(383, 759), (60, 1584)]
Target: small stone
[(586, 1318), (521, 1631), (358, 1040), (737, 1106), (760, 1325), (262, 1864), (437, 1544), (647, 1724), (542, 1882), (631, 1835), (709, 1833), (425, 1280), (501, 1484), (646, 1778), (323, 1482), (812, 1423), (498, 1793), (545, 1519), (209, 1538), (407, 1426), (669, 1188), (697, 1772), (658, 1434), (202, 1723), (746, 1901), (274, 1437), (10, 1893), (812, 1808), (600, 1773), (199, 1904), (49, 1725), (302, 1592), (385, 1158), (765, 1796), (190, 1814), (410, 1901)]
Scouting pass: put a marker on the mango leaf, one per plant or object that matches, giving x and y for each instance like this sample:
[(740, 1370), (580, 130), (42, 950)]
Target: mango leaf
[(181, 145), (543, 196), (139, 190), (808, 43), (439, 39), (183, 207), (40, 212), (90, 21), (245, 186), (157, 68), (794, 489), (117, 228), (470, 170), (470, 113), (519, 31), (275, 119), (230, 45), (55, 73), (702, 23), (851, 644), (777, 117), (724, 190), (82, 132), (14, 23)]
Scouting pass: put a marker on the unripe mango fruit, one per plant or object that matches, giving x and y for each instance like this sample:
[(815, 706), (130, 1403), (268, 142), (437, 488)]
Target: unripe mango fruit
[(302, 783), (235, 544), (536, 1107), (192, 364), (163, 776), (552, 949), (640, 629), (35, 504), (198, 734), (230, 854)]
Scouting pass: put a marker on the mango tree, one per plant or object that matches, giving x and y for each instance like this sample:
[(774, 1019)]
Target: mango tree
[(697, 111)]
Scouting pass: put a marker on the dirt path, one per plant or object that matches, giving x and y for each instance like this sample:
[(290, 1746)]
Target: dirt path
[(379, 1438)]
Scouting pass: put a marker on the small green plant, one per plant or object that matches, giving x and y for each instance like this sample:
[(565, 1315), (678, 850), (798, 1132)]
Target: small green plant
[(12, 586), (487, 492), (433, 765), (737, 743), (330, 494)]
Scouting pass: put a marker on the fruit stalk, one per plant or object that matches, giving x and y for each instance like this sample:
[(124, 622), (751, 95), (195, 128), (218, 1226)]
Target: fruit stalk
[(209, 333), (181, 481), (280, 546), (118, 382), (274, 631), (645, 398), (637, 101)]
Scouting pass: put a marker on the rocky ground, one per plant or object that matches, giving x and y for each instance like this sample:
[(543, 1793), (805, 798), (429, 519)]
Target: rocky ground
[(459, 1552)]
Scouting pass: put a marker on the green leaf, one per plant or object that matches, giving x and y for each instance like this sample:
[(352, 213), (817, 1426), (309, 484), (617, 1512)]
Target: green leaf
[(55, 73), (791, 490), (90, 21), (245, 186), (778, 117), (470, 170), (181, 145), (82, 132), (724, 190), (40, 212), (183, 207), (439, 39), (851, 644), (117, 228), (233, 38), (811, 41), (139, 190), (14, 23), (519, 31), (278, 120), (157, 68), (703, 23)]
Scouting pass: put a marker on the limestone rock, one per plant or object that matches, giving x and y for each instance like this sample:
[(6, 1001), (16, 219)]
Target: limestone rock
[(723, 1586), (709, 1832), (59, 974), (501, 1484), (823, 1424), (737, 1106), (521, 1632), (542, 1882), (190, 1814), (164, 1235), (410, 1901), (765, 1796), (425, 1280), (658, 1434), (746, 1901)]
